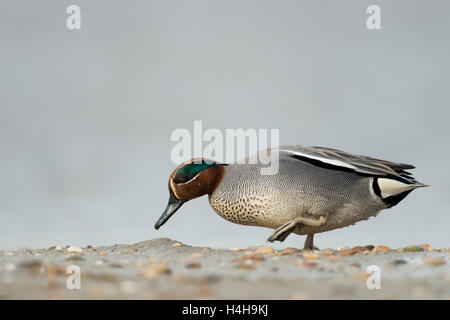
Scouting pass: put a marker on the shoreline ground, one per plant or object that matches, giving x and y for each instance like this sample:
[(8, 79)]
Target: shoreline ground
[(166, 269)]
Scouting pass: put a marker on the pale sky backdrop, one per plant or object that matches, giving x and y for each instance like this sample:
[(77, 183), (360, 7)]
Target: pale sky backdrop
[(86, 115)]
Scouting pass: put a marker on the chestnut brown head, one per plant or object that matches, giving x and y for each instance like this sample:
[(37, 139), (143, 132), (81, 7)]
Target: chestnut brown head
[(190, 180)]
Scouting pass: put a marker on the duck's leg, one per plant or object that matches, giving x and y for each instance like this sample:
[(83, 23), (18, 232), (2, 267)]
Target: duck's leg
[(282, 232), (309, 242)]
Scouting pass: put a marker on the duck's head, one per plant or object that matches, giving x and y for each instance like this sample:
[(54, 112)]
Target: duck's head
[(191, 180)]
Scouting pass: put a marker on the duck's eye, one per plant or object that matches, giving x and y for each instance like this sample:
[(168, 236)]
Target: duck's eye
[(181, 179)]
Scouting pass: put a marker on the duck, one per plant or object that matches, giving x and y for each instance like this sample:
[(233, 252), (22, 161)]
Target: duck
[(314, 190)]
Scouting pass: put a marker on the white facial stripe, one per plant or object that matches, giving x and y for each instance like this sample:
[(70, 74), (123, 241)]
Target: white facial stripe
[(390, 187), (333, 162)]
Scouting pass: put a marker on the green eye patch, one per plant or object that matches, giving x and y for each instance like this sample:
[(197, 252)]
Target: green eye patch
[(189, 171)]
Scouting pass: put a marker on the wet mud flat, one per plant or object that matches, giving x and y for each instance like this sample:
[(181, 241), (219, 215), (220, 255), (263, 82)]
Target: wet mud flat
[(167, 269)]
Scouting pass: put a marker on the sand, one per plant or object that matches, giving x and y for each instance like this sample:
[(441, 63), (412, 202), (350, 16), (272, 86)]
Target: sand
[(167, 269)]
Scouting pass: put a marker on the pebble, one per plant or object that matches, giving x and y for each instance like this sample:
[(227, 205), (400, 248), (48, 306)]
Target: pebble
[(299, 296), (382, 249), (309, 264), (103, 254), (53, 270), (30, 264), (343, 248), (178, 244), (115, 265), (195, 255), (426, 247), (248, 257), (10, 267), (265, 250), (420, 292), (74, 258), (74, 249), (288, 252), (141, 263), (412, 249), (127, 287), (179, 278), (193, 265), (155, 270), (350, 253), (327, 252), (310, 256), (370, 247), (398, 262), (245, 266), (360, 248), (236, 249), (434, 261)]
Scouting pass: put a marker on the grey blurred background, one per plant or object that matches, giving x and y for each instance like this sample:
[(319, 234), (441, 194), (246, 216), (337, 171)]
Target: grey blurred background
[(86, 115)]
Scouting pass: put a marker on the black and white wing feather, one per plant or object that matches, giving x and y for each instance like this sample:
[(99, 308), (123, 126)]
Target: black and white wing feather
[(341, 160)]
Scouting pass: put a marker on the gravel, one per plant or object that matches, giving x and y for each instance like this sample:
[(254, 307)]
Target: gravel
[(167, 269)]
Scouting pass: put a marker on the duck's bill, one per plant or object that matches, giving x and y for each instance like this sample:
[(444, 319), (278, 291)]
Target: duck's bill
[(172, 207)]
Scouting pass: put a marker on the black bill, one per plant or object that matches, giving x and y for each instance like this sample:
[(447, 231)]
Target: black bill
[(172, 207)]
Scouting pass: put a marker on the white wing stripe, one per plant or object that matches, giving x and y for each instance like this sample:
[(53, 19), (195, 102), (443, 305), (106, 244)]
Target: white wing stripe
[(321, 159)]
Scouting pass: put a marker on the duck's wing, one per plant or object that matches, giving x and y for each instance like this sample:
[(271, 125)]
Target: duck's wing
[(341, 160)]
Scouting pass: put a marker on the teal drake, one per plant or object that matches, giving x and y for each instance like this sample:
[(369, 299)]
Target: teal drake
[(315, 189)]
